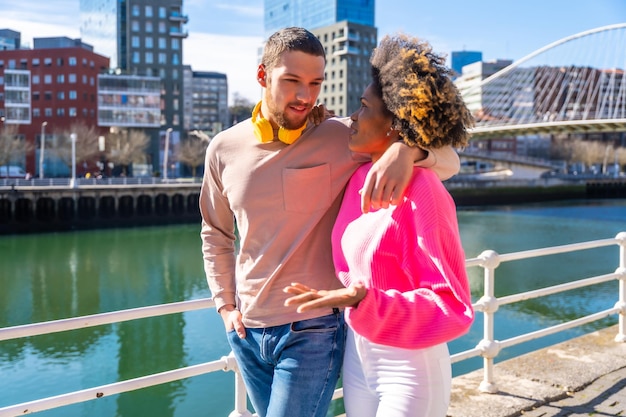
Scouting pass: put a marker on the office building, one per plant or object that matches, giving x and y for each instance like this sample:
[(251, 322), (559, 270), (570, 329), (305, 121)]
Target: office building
[(348, 48), (476, 97), (209, 102), (462, 58), (9, 39), (347, 32), (143, 38), (49, 88), (314, 14)]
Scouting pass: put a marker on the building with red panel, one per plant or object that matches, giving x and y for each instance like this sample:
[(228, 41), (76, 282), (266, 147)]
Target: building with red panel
[(49, 88)]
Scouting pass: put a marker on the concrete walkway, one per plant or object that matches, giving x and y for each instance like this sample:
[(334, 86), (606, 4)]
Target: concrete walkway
[(585, 376)]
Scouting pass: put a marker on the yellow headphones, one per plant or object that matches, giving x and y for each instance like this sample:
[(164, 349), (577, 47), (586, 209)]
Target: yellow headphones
[(265, 133)]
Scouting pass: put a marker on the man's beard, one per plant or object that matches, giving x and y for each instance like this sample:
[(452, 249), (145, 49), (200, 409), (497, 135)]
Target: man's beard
[(281, 118)]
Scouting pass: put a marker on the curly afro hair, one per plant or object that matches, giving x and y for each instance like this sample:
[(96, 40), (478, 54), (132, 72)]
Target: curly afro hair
[(416, 87)]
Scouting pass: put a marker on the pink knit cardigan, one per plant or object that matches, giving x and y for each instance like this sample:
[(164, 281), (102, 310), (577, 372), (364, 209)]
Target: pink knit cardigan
[(411, 260)]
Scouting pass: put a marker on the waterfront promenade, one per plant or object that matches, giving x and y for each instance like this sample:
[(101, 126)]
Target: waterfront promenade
[(585, 376)]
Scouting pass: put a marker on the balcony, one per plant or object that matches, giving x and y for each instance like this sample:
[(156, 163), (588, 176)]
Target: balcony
[(178, 33), (178, 17)]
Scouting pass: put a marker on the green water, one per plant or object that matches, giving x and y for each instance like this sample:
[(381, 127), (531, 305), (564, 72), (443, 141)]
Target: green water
[(55, 276)]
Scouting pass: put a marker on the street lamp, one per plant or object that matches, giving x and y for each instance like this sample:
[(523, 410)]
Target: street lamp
[(102, 148), (167, 150), (73, 180), (43, 148)]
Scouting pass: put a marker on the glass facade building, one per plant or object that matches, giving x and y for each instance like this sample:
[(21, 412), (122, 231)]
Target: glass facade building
[(460, 59), (312, 15)]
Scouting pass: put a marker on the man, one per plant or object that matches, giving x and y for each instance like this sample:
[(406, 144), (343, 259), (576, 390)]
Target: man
[(280, 181)]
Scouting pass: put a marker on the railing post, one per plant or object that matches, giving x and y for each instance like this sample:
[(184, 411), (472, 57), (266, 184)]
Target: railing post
[(241, 397), (489, 304), (621, 304)]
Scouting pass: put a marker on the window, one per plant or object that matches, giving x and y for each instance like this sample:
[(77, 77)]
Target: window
[(175, 44), (134, 26), (35, 95), (59, 62), (47, 95), (47, 112), (162, 58), (72, 61), (36, 112), (61, 95), (35, 79), (12, 64), (162, 27), (162, 13), (135, 11), (175, 59), (60, 111), (162, 43), (35, 62), (149, 12), (47, 79), (134, 41), (61, 78), (84, 79), (72, 112), (149, 27), (73, 95), (149, 58), (136, 59), (71, 78), (149, 42)]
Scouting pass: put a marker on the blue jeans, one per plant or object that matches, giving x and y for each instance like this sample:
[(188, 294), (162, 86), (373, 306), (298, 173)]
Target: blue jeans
[(292, 370)]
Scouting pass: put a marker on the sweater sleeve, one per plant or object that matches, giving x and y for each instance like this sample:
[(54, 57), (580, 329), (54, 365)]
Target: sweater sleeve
[(217, 233), (428, 302), (444, 161)]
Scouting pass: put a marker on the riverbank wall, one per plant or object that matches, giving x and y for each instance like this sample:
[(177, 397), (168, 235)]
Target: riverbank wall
[(37, 209)]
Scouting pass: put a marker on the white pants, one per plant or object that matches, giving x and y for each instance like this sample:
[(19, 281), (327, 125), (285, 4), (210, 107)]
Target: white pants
[(384, 381)]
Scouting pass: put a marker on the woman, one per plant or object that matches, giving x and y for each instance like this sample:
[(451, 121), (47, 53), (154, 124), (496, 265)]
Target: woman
[(403, 267)]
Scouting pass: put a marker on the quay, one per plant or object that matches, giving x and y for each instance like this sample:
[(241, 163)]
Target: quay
[(46, 205), (584, 376), (34, 206)]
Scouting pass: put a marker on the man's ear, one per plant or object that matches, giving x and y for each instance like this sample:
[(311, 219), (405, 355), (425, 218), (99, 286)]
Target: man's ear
[(261, 75)]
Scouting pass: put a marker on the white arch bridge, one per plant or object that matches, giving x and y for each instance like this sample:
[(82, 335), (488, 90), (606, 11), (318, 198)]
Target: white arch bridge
[(573, 85)]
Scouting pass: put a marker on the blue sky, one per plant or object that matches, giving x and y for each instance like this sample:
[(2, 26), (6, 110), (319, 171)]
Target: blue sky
[(224, 35)]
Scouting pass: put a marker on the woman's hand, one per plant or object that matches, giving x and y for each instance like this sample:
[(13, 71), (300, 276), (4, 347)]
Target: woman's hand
[(388, 178), (319, 113), (308, 298)]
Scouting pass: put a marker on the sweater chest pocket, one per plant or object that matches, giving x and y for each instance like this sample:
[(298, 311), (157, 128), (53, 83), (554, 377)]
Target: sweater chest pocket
[(306, 190)]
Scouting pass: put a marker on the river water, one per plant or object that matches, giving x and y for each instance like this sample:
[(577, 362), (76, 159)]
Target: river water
[(54, 276)]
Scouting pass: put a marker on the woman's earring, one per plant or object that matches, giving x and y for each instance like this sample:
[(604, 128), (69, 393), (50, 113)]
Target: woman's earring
[(389, 131)]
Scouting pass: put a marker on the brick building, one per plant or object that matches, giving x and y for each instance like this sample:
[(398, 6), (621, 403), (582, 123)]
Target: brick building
[(49, 88)]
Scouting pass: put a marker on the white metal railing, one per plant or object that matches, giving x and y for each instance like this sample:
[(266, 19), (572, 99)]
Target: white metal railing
[(488, 347), (87, 182)]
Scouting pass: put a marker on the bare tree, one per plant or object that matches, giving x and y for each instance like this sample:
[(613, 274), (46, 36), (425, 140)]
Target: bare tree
[(86, 143), (241, 109), (125, 147), (191, 151), (12, 147)]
